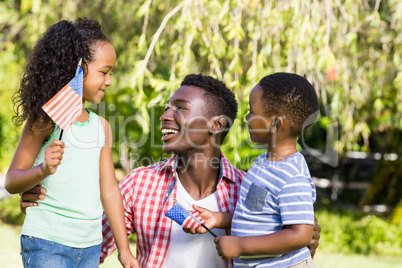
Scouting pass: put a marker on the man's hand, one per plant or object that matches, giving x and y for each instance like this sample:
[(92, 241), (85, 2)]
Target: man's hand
[(29, 197), (315, 241)]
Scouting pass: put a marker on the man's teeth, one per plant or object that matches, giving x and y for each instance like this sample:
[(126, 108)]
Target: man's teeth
[(169, 131)]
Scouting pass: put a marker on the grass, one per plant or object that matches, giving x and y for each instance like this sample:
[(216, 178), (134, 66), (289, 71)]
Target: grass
[(10, 257), (331, 260)]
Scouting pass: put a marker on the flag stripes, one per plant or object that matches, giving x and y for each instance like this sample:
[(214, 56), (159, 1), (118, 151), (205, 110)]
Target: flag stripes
[(180, 216), (66, 105), (190, 222)]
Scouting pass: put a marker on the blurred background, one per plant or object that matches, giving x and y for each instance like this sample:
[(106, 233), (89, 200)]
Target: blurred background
[(350, 51)]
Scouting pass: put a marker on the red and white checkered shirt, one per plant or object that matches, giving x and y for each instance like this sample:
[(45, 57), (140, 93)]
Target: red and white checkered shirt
[(147, 195)]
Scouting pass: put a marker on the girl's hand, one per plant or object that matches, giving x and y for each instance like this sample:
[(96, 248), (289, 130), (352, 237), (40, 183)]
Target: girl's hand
[(127, 259), (228, 247), (208, 217), (53, 156)]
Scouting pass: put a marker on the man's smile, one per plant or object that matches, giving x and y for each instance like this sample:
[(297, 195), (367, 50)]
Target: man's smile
[(168, 133)]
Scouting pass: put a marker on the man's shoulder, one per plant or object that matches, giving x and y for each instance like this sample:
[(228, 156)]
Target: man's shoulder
[(230, 171), (152, 171), (239, 173), (155, 167)]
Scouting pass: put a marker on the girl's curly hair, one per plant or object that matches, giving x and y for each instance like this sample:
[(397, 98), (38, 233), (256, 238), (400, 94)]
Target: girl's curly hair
[(53, 64)]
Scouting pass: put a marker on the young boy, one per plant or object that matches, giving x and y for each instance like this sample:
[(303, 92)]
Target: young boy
[(274, 217)]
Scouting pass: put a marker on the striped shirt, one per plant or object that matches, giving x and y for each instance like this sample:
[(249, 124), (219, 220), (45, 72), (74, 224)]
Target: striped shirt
[(147, 195), (274, 194)]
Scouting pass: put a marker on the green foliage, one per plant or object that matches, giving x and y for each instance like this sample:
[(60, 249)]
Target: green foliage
[(10, 211), (349, 233), (349, 50)]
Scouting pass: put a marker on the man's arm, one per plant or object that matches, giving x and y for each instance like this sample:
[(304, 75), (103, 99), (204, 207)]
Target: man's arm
[(315, 241), (29, 198)]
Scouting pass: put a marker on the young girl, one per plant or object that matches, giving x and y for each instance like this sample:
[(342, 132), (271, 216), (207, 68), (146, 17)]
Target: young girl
[(64, 230)]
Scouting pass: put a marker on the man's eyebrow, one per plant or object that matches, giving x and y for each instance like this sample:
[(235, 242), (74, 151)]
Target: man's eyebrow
[(177, 100)]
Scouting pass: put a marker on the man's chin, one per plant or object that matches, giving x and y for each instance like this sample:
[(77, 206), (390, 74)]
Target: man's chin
[(168, 150), (175, 148)]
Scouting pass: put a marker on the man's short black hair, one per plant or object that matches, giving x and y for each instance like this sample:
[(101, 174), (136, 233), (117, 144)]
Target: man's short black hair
[(218, 98), (290, 95)]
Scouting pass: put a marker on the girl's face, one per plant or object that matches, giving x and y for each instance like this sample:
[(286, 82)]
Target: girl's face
[(99, 71)]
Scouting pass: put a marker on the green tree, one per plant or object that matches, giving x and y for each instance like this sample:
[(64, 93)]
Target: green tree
[(349, 50)]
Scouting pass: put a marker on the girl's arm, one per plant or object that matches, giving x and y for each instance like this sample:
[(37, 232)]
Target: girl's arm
[(292, 238), (112, 201), (21, 176)]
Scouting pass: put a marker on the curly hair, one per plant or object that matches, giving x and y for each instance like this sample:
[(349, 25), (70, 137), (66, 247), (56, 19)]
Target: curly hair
[(290, 95), (219, 99), (52, 65)]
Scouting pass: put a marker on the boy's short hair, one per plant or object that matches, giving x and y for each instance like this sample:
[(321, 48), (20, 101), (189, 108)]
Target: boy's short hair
[(290, 95), (218, 98)]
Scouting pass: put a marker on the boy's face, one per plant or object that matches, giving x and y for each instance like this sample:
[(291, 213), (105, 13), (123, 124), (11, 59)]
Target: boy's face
[(258, 122), (185, 123)]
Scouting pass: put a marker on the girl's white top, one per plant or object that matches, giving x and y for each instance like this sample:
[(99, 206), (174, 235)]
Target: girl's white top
[(71, 213)]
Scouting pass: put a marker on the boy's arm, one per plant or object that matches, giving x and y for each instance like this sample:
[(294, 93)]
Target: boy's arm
[(292, 238), (112, 201), (212, 219)]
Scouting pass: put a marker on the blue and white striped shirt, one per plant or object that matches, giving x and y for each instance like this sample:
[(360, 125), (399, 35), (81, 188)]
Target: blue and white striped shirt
[(274, 194)]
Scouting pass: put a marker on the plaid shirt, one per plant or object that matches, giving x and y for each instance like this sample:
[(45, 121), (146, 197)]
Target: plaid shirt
[(147, 195)]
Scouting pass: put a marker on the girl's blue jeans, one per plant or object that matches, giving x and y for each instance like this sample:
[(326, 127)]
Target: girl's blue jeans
[(41, 253)]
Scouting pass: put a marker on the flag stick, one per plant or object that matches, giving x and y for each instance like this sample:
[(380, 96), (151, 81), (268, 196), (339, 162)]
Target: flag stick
[(192, 216), (61, 134)]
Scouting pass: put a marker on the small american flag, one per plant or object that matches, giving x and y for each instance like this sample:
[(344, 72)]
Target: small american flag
[(183, 218), (66, 105)]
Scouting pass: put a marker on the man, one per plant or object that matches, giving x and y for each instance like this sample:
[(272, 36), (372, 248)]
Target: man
[(196, 120)]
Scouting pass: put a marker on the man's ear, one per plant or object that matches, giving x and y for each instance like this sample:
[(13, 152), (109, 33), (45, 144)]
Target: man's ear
[(277, 123), (217, 124)]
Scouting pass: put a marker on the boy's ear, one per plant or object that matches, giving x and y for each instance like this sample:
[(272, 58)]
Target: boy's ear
[(277, 123), (217, 124)]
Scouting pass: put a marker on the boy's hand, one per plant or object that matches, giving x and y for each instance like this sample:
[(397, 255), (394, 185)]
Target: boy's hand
[(53, 156), (208, 217), (228, 247), (315, 241), (29, 197), (127, 260)]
